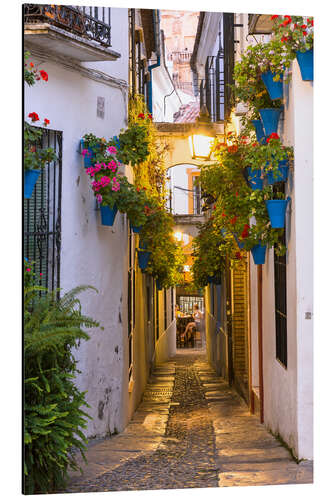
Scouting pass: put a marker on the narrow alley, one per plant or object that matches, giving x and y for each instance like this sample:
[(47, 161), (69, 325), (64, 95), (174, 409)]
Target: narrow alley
[(191, 430)]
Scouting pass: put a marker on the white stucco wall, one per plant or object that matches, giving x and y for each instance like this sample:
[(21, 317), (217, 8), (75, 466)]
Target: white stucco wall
[(90, 253), (288, 392)]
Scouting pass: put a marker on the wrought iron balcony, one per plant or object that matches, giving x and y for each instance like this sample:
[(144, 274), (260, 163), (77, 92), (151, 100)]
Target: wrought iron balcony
[(73, 19)]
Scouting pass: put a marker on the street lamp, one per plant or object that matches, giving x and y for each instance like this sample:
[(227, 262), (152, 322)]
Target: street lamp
[(201, 139), (178, 235)]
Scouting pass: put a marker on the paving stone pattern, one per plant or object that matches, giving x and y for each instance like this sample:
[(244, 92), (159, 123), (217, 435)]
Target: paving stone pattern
[(190, 431)]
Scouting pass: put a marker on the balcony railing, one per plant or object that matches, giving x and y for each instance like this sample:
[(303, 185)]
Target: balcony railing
[(180, 57), (73, 19)]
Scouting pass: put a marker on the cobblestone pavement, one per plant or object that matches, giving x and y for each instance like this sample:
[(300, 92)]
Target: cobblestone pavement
[(190, 431)]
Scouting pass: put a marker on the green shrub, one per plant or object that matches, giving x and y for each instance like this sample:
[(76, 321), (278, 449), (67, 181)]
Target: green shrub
[(53, 415)]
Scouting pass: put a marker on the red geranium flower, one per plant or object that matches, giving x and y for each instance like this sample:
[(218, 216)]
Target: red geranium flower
[(303, 26), (150, 117), (310, 21), (236, 194), (44, 75), (138, 189), (305, 33), (233, 148), (31, 64), (233, 220), (284, 39), (46, 122), (34, 117), (274, 17), (238, 255), (272, 136), (142, 116), (224, 215), (245, 232)]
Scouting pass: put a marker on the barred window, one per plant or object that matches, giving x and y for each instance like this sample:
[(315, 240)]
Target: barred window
[(42, 217)]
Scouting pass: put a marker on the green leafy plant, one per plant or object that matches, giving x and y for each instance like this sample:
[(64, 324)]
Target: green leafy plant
[(35, 155), (53, 414), (133, 144)]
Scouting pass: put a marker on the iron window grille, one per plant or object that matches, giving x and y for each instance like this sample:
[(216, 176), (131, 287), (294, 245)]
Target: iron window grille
[(93, 23), (42, 217), (186, 303), (280, 288), (215, 88)]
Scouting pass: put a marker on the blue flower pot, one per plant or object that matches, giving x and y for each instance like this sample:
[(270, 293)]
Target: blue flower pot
[(276, 211), (143, 245), (30, 179), (239, 243), (259, 253), (158, 285), (89, 158), (136, 229), (305, 62), (275, 89), (261, 138), (270, 119), (254, 178), (143, 258), (108, 215), (281, 175)]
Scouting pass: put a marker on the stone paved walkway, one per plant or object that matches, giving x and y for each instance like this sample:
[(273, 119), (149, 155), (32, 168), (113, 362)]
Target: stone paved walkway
[(190, 431)]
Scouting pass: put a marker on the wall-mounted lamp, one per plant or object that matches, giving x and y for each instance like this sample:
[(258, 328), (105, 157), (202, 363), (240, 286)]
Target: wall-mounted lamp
[(201, 139)]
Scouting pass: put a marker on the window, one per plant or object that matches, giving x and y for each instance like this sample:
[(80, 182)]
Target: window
[(280, 284), (42, 217), (186, 303)]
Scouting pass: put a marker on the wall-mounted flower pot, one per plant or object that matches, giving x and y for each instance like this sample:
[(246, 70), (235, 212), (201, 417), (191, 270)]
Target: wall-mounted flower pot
[(274, 88), (143, 245), (158, 285), (305, 62), (239, 243), (30, 180), (215, 280), (108, 215), (89, 158), (270, 119), (143, 258), (260, 134), (277, 211), (281, 175), (254, 178), (136, 229), (259, 253)]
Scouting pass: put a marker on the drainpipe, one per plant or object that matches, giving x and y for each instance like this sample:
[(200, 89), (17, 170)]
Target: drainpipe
[(156, 23), (260, 346)]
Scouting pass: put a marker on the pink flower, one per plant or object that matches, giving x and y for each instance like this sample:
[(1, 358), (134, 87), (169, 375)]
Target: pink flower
[(112, 150), (28, 269), (99, 198), (85, 152), (90, 171)]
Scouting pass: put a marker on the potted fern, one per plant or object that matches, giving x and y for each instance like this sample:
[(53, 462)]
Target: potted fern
[(54, 413)]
